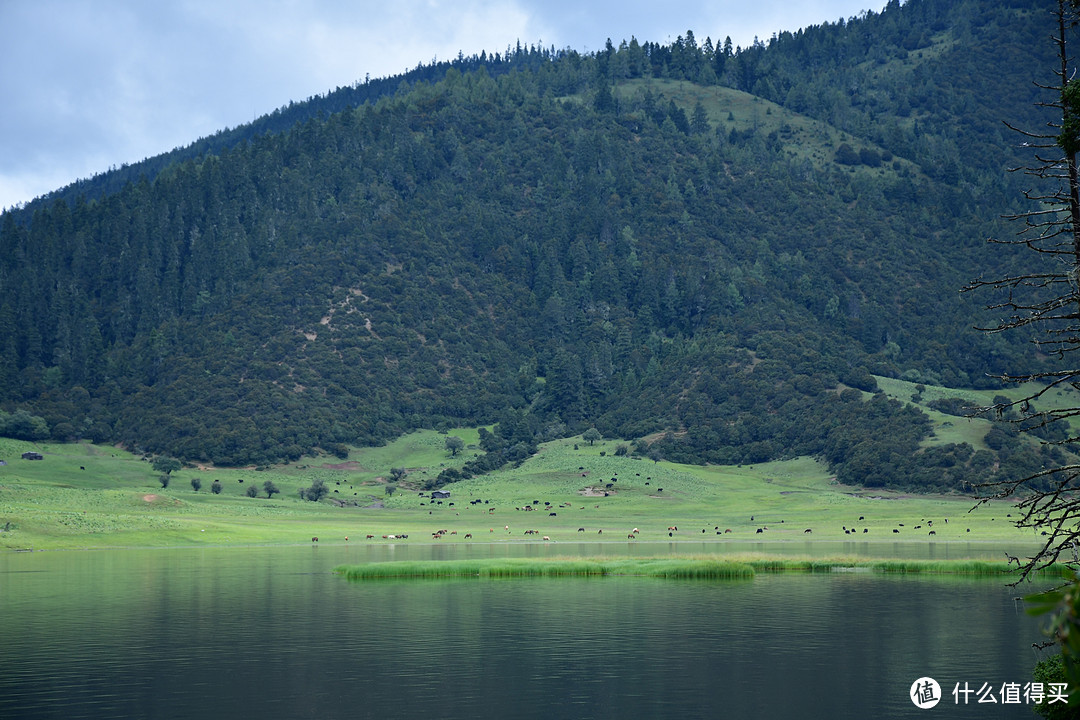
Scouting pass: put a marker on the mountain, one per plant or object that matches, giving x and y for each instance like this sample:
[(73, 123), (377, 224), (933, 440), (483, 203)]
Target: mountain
[(706, 251)]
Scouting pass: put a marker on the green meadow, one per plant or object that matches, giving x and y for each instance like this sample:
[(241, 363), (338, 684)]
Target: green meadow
[(87, 496)]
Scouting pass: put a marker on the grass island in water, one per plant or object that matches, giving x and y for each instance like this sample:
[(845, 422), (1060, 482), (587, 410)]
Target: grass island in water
[(704, 567)]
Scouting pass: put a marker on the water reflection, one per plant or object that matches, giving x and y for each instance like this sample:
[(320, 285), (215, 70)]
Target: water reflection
[(270, 633)]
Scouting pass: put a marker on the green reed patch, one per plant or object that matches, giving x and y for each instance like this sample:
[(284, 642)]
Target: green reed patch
[(923, 567), (683, 568), (705, 567)]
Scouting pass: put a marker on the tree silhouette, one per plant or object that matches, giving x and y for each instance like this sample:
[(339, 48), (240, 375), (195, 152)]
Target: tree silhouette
[(1045, 303)]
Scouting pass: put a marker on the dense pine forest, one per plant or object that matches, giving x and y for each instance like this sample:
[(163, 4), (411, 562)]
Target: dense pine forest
[(705, 250)]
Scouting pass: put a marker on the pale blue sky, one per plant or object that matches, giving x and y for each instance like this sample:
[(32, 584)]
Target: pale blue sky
[(89, 84)]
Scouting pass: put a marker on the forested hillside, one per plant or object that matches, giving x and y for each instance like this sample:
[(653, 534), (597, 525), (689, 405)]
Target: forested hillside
[(706, 250)]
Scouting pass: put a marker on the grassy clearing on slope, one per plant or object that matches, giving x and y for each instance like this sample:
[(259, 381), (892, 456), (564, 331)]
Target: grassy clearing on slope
[(802, 137), (953, 429)]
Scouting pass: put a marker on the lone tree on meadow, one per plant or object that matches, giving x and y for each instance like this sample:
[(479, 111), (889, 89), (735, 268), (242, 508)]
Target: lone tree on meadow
[(316, 492), (166, 464), (270, 488), (454, 444), (196, 484), (215, 487), (252, 491), (591, 435)]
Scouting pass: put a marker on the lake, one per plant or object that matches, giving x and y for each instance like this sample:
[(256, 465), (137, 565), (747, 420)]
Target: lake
[(272, 633)]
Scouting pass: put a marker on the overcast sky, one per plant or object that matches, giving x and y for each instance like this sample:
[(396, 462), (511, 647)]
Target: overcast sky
[(90, 84)]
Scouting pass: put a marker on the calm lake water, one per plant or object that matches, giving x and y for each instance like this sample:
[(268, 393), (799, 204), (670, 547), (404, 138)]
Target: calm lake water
[(271, 633)]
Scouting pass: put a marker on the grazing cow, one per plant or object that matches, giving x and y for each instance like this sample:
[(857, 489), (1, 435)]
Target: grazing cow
[(866, 530), (631, 536), (896, 531), (599, 532), (759, 531), (933, 532), (861, 517), (807, 531), (581, 529), (370, 537), (546, 538), (727, 531), (314, 539), (468, 535), (552, 514), (636, 531)]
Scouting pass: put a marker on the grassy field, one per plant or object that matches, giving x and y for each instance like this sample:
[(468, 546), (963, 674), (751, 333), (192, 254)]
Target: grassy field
[(86, 496)]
